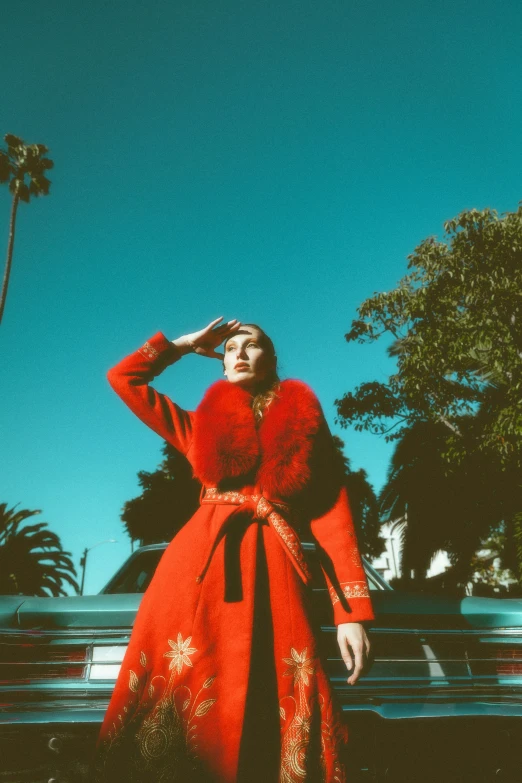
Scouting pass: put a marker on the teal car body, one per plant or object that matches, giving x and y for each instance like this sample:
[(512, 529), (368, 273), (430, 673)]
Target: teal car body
[(432, 658)]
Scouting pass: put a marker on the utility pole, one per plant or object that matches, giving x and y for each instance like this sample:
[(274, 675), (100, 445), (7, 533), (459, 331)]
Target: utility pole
[(83, 561)]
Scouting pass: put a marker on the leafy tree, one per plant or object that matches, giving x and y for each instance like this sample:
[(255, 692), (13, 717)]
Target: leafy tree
[(169, 498), (32, 561), (20, 162), (456, 324), (363, 505)]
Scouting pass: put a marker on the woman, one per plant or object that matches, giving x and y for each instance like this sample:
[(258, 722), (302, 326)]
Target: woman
[(222, 680)]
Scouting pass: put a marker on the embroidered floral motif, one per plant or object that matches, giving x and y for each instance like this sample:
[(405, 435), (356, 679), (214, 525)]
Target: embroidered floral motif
[(170, 730), (304, 754), (300, 666), (180, 653), (295, 740), (149, 351), (163, 735), (350, 590)]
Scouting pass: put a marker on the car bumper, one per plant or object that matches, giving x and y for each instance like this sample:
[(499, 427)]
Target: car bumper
[(470, 749), (45, 714)]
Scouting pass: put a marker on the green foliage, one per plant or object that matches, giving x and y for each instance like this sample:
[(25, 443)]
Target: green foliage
[(456, 320), (169, 498), (455, 401), (482, 564), (23, 161), (32, 561)]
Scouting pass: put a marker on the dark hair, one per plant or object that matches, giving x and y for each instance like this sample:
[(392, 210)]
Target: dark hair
[(270, 386)]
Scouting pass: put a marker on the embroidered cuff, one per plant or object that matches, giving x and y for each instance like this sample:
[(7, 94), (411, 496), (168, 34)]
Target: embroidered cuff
[(350, 590), (160, 350), (356, 595)]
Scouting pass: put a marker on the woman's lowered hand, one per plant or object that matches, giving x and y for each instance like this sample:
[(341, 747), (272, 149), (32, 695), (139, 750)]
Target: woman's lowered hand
[(205, 341), (355, 648)]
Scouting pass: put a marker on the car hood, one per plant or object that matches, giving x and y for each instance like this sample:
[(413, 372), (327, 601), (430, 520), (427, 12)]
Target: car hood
[(8, 606), (79, 611), (393, 608), (408, 610)]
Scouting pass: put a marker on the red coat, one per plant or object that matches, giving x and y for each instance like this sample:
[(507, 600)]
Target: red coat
[(222, 680)]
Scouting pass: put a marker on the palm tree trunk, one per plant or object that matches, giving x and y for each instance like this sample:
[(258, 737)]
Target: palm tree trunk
[(10, 245)]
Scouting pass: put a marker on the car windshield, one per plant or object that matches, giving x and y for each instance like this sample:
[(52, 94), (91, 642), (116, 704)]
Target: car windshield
[(135, 575), (375, 580)]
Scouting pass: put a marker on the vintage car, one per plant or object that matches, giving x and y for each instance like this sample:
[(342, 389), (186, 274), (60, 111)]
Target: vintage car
[(441, 698)]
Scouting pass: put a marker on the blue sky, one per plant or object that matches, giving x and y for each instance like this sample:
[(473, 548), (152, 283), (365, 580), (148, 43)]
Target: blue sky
[(269, 161)]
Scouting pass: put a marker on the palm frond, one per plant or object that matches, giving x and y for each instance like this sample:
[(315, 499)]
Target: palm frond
[(32, 561)]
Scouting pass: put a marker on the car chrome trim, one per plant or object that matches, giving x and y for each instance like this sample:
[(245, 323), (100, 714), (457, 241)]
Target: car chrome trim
[(450, 632)]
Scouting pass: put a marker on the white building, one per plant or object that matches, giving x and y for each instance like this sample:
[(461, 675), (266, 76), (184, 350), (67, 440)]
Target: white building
[(389, 563)]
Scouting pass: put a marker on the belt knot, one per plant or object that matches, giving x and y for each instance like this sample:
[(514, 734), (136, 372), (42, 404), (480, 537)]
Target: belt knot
[(262, 509)]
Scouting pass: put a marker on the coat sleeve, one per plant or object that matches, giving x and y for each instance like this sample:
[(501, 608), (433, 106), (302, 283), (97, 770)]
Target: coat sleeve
[(341, 563), (131, 379), (332, 527)]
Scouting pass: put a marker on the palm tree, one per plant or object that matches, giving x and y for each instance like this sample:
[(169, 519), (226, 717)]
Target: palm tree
[(32, 561), (20, 161)]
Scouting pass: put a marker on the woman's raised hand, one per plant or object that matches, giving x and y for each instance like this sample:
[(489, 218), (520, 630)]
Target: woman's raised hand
[(205, 341)]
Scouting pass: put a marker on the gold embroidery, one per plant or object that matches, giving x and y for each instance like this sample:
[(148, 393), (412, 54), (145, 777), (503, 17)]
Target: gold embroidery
[(300, 666), (212, 494), (297, 738), (356, 557), (149, 351), (265, 510), (290, 539), (166, 732), (171, 727), (133, 681), (180, 653), (357, 589)]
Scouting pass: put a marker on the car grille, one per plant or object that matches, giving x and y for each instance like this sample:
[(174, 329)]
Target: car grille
[(406, 665), (20, 663), (430, 665)]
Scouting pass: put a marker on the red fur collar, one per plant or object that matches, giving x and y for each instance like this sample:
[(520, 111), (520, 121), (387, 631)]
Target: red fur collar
[(276, 456)]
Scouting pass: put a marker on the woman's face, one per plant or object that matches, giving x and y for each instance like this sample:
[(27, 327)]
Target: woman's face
[(246, 361)]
